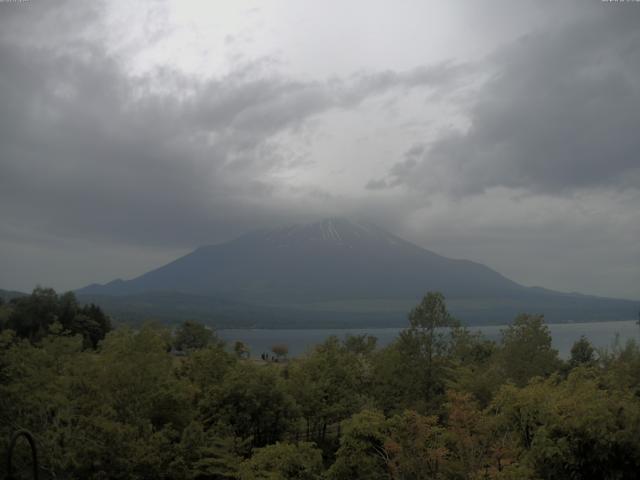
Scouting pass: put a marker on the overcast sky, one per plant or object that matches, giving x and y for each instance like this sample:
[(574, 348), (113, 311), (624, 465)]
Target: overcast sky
[(503, 132)]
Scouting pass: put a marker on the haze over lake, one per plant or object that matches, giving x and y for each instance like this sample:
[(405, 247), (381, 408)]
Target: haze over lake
[(300, 341)]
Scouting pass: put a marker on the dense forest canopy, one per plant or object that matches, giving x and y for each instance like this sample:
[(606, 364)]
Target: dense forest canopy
[(438, 403), (44, 312)]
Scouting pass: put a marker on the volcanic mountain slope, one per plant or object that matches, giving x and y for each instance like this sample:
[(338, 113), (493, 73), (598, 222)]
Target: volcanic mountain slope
[(342, 269)]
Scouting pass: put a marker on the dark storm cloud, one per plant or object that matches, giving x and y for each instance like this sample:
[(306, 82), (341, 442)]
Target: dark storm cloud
[(90, 151), (559, 113)]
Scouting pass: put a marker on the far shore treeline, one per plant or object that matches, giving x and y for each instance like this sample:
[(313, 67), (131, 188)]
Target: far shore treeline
[(437, 403)]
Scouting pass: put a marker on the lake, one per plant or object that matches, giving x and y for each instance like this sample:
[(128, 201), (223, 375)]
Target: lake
[(299, 341)]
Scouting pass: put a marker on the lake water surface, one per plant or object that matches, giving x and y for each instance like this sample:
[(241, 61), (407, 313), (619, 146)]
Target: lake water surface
[(299, 341)]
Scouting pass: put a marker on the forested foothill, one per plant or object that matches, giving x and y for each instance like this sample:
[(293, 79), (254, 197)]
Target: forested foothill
[(438, 403)]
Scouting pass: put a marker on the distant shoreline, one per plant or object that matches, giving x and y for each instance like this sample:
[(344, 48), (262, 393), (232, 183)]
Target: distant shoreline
[(470, 327), (302, 340)]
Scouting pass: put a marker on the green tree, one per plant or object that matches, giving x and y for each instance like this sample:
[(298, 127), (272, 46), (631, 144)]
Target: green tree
[(622, 366), (526, 350), (573, 428), (328, 387), (5, 311), (413, 371), (467, 436), (191, 336), (206, 368), (405, 446), (253, 402), (32, 315), (204, 453), (360, 344), (416, 447), (283, 461), (66, 309), (582, 353), (475, 366), (362, 451), (97, 328), (34, 389), (425, 335), (129, 408)]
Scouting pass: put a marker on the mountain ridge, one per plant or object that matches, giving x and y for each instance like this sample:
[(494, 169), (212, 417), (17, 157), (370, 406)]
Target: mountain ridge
[(338, 260)]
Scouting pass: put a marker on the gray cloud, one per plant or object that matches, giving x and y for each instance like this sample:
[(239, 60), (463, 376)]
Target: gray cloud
[(165, 158), (376, 184), (108, 172), (559, 113)]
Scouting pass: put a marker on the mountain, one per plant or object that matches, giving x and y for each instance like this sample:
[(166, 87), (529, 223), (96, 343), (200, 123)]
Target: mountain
[(7, 295), (336, 271)]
